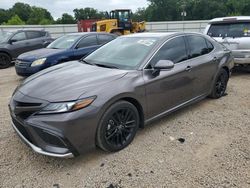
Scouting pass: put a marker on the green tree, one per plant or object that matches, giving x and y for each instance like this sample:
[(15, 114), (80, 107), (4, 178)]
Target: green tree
[(22, 10), (15, 20), (66, 19), (39, 16), (5, 15), (87, 13)]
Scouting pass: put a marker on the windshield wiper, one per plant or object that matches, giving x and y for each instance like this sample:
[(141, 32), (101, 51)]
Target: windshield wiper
[(106, 66)]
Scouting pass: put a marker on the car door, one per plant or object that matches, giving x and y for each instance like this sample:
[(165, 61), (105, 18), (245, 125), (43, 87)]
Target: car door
[(203, 63), (34, 40), (18, 44), (171, 87), (85, 46)]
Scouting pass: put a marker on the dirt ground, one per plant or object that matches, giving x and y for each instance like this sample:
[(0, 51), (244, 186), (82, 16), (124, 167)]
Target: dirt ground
[(214, 150)]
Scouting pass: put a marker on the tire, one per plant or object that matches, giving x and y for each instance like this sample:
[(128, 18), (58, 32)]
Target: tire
[(117, 127), (220, 85), (5, 60)]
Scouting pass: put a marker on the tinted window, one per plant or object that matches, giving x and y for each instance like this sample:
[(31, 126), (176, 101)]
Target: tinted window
[(64, 42), (19, 36), (197, 46), (210, 46), (87, 41), (33, 34), (105, 38), (230, 30), (174, 50)]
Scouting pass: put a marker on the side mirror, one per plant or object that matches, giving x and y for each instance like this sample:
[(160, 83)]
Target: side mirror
[(162, 65), (12, 41)]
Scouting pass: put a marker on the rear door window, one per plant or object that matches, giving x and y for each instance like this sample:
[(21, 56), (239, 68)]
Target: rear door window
[(197, 46), (88, 41), (33, 34), (241, 29), (104, 39)]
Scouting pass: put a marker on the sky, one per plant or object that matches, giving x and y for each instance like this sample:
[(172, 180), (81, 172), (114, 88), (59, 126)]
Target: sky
[(58, 7)]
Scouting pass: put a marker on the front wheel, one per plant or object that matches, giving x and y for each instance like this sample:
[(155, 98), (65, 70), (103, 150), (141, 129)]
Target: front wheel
[(5, 60), (118, 127), (220, 85)]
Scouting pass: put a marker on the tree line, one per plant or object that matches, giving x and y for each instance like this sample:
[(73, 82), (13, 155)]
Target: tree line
[(171, 10), (157, 10)]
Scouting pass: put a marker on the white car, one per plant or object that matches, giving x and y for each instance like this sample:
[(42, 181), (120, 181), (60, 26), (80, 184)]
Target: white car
[(234, 33)]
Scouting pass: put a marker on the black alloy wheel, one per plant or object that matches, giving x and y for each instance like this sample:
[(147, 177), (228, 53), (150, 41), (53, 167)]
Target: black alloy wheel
[(5, 60), (220, 84), (118, 127)]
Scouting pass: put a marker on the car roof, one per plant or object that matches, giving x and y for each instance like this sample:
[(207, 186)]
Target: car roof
[(230, 19), (149, 34), (160, 35), (88, 33)]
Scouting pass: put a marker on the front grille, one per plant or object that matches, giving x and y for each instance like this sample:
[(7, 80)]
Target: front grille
[(22, 63), (21, 129), (24, 110)]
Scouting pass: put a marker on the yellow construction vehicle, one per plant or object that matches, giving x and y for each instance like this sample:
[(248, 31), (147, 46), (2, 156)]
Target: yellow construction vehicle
[(119, 22)]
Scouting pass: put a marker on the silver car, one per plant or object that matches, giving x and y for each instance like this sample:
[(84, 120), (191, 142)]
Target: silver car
[(234, 33)]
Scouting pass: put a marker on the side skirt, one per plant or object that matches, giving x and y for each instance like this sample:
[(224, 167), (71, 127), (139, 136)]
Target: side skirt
[(187, 103)]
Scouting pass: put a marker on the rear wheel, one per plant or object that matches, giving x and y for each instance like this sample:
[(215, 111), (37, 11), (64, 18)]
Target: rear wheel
[(220, 85), (5, 60), (118, 127)]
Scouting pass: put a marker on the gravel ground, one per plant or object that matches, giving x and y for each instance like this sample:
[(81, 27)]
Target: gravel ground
[(213, 152)]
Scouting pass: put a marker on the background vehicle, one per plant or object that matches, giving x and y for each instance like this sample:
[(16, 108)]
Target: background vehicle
[(103, 99), (234, 33), (120, 23), (66, 48), (14, 43)]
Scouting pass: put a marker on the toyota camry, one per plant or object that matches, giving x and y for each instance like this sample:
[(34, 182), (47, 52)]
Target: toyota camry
[(103, 99)]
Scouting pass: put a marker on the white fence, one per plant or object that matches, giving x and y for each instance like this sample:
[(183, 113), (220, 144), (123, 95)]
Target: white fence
[(55, 30), (58, 30), (192, 26)]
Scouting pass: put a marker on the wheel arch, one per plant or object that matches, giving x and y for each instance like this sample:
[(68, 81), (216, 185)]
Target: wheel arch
[(138, 106), (5, 52), (227, 69)]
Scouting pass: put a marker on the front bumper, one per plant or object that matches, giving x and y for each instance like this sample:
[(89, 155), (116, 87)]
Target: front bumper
[(59, 135), (24, 68), (39, 150), (241, 61)]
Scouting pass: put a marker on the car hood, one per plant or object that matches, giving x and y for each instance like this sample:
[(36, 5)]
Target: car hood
[(38, 54), (68, 81)]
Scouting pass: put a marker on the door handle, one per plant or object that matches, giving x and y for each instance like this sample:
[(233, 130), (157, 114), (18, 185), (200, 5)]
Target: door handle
[(188, 68)]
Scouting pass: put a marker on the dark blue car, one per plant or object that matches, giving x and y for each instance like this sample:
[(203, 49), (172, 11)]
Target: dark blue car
[(66, 48)]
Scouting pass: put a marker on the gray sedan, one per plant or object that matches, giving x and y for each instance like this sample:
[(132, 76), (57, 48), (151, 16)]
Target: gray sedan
[(102, 100)]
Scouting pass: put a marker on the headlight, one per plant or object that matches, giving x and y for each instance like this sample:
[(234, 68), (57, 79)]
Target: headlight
[(38, 62), (54, 108)]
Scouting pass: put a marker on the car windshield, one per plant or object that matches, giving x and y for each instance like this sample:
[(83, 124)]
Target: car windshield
[(123, 53), (241, 29), (64, 42), (4, 36)]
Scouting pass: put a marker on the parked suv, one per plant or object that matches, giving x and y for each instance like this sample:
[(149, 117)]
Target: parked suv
[(14, 43), (234, 33)]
